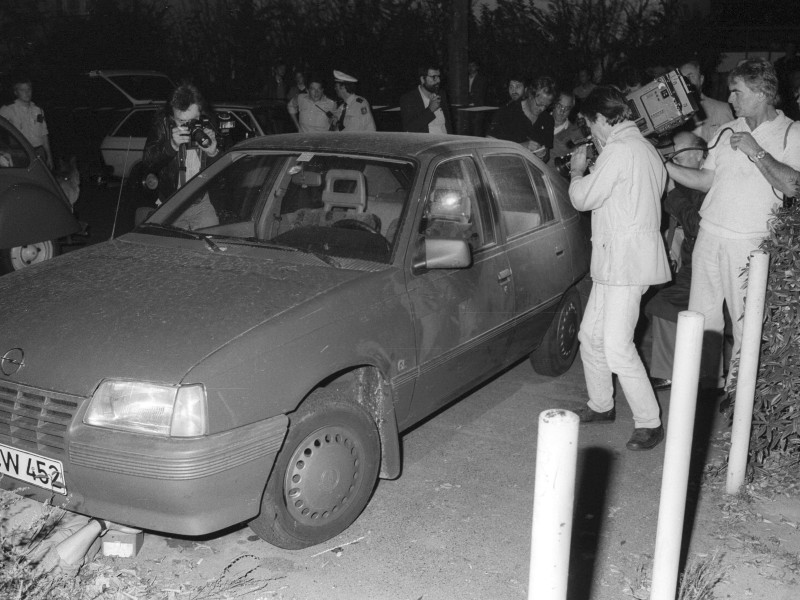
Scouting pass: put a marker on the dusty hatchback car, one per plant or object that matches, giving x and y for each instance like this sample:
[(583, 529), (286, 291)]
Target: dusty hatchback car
[(252, 352)]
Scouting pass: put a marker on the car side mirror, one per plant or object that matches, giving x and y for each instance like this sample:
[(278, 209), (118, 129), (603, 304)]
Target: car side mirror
[(437, 253)]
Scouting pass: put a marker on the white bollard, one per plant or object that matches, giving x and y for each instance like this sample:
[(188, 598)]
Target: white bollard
[(748, 370), (553, 498), (677, 455)]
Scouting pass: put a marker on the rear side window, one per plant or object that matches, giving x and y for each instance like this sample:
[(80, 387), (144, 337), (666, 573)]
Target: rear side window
[(519, 201), (137, 124)]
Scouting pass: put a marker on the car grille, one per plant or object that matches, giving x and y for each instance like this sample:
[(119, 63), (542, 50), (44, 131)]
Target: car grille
[(35, 420)]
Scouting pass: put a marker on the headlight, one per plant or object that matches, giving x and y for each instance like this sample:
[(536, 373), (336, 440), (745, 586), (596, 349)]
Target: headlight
[(149, 408)]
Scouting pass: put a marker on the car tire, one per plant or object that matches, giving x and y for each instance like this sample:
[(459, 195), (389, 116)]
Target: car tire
[(323, 476), (557, 351), (19, 257)]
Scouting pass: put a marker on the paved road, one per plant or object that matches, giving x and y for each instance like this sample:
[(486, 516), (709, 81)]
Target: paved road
[(457, 523)]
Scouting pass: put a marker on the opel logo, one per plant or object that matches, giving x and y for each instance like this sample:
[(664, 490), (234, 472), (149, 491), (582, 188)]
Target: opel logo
[(12, 361)]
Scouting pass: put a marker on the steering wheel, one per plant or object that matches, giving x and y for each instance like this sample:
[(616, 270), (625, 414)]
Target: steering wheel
[(356, 224)]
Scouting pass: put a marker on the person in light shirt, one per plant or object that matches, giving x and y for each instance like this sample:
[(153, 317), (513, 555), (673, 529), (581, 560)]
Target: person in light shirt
[(752, 161), (623, 191)]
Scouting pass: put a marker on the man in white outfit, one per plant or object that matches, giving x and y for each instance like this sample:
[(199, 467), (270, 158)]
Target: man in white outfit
[(623, 192)]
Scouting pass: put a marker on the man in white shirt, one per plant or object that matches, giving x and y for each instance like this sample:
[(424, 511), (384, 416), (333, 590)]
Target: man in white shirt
[(751, 162), (29, 119)]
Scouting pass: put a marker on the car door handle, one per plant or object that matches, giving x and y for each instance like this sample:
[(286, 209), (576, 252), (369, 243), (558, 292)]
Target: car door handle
[(504, 275), (559, 251)]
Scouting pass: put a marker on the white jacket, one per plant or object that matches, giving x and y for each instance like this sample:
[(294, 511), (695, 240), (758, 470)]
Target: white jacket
[(623, 191)]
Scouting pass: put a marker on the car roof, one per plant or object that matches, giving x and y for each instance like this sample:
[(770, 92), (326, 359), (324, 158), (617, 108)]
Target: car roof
[(386, 143)]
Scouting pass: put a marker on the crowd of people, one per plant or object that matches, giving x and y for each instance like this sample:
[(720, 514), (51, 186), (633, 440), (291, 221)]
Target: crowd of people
[(732, 163)]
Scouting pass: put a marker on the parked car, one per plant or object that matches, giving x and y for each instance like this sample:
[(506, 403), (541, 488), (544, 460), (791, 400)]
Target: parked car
[(34, 212), (92, 102), (253, 351), (123, 147)]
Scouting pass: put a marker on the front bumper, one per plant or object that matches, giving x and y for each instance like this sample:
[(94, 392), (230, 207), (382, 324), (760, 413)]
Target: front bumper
[(191, 486)]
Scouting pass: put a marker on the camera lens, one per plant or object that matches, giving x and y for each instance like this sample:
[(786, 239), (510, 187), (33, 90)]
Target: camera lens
[(200, 137)]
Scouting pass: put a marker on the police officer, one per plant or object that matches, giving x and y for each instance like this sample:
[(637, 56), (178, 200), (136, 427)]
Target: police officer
[(354, 114)]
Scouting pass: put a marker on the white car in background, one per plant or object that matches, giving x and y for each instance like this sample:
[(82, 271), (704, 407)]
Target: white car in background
[(123, 147)]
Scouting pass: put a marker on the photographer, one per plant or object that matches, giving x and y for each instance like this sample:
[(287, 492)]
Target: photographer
[(623, 192), (181, 143)]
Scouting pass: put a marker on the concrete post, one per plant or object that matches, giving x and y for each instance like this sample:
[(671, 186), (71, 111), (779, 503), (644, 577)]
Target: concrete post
[(748, 369), (677, 457), (553, 498)]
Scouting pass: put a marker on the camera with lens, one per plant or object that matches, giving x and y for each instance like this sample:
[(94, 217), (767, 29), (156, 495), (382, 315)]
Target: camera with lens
[(198, 138), (561, 163)]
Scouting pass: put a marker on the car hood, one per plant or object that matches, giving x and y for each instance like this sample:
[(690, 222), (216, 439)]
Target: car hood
[(141, 311)]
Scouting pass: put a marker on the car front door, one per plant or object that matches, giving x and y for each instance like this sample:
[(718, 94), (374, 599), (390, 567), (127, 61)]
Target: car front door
[(537, 246), (462, 317)]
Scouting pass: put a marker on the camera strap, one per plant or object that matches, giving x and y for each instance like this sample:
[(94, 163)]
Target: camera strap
[(181, 165)]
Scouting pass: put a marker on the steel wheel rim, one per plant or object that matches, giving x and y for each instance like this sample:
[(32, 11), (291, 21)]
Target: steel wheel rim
[(25, 256), (323, 475), (567, 329)]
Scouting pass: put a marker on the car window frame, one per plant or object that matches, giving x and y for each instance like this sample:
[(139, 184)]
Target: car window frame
[(482, 191), (529, 164)]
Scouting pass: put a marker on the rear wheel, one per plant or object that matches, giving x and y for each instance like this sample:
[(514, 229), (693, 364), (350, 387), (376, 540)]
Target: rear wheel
[(19, 257), (560, 344), (323, 476)]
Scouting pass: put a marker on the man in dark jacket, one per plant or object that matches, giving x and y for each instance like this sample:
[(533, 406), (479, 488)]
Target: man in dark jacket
[(425, 109), (181, 143)]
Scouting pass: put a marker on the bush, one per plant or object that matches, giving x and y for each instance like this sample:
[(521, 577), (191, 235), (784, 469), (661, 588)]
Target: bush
[(776, 412)]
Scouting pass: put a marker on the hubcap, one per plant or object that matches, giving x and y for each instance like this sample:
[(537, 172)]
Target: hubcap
[(323, 475), (25, 256)]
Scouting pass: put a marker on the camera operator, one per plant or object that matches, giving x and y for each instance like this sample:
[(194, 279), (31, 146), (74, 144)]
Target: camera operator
[(623, 192), (181, 143)]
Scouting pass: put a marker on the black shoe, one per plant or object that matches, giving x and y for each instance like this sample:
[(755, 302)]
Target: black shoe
[(660, 384), (587, 415), (645, 439)]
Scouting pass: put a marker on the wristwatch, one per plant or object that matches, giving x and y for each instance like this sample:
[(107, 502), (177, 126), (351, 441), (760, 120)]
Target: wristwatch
[(758, 155)]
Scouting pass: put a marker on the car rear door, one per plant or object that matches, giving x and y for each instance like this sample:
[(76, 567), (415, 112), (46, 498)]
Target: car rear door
[(537, 246), (462, 317)]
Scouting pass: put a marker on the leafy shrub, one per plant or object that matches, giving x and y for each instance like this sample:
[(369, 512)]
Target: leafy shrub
[(776, 412)]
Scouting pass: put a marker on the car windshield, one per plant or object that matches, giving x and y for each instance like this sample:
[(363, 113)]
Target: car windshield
[(333, 206)]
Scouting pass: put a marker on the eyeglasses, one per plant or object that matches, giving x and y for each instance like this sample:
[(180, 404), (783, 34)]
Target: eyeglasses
[(560, 106)]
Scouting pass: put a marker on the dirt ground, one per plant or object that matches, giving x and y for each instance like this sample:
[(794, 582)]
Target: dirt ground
[(457, 523)]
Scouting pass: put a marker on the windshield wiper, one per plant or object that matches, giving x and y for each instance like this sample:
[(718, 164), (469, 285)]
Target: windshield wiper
[(171, 229)]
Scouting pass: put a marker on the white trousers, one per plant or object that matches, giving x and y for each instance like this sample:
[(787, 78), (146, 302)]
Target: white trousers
[(607, 348), (717, 265)]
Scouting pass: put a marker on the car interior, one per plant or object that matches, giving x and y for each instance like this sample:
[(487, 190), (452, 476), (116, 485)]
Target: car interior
[(271, 197)]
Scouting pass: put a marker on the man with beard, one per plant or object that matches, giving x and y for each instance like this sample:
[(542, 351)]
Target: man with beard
[(425, 108)]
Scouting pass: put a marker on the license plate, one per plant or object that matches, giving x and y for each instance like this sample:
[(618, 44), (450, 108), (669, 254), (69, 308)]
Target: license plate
[(40, 471)]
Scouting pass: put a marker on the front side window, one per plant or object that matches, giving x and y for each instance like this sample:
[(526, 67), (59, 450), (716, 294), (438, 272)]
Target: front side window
[(456, 207)]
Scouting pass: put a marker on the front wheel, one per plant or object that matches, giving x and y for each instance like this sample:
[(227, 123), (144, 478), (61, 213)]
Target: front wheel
[(557, 351), (19, 257), (323, 476)]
